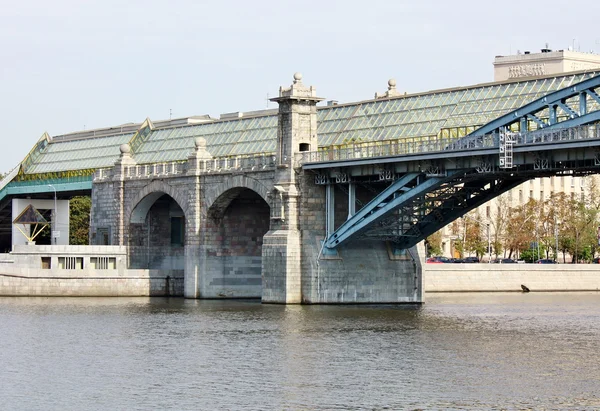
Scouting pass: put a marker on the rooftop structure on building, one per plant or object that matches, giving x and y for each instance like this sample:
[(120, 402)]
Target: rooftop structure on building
[(545, 62)]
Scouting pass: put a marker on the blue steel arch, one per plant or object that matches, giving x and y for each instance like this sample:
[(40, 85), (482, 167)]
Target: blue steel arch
[(406, 206), (574, 116)]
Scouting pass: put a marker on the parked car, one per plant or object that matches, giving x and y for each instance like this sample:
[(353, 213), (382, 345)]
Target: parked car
[(596, 260), (470, 260), (504, 261), (545, 261), (438, 260)]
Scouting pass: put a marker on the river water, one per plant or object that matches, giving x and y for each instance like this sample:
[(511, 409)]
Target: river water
[(508, 351)]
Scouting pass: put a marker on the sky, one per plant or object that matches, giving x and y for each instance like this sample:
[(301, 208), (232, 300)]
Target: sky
[(70, 65)]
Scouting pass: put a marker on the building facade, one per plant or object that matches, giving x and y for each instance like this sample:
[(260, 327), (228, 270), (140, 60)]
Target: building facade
[(546, 62)]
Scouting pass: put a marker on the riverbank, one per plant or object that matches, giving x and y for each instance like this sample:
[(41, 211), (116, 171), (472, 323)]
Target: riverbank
[(509, 277), (102, 271)]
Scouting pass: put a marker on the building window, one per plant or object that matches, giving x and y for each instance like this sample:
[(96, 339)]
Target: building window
[(487, 211)]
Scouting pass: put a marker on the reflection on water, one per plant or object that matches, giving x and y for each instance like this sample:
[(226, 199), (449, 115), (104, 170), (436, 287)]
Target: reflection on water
[(458, 351)]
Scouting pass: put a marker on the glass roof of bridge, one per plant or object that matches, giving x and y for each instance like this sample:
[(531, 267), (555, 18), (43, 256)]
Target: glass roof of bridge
[(223, 138), (76, 154), (410, 116)]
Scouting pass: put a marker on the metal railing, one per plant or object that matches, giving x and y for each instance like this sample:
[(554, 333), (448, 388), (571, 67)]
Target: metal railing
[(586, 132), (352, 151), (403, 147), (393, 148)]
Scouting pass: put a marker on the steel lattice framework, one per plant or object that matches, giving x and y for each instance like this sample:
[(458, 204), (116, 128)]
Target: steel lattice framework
[(557, 134)]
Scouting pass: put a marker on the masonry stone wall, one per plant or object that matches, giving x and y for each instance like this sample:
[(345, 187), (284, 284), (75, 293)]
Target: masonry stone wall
[(142, 283), (510, 277), (225, 218), (359, 272), (151, 243), (251, 232), (81, 271), (233, 238)]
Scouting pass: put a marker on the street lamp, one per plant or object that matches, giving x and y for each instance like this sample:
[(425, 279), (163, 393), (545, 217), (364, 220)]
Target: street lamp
[(54, 216), (489, 244), (556, 238)]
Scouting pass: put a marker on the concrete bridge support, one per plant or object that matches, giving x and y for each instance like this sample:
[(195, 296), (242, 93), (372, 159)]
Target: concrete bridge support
[(253, 232), (295, 268), (359, 272)]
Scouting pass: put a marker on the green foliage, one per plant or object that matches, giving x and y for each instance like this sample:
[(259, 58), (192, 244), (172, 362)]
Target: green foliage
[(434, 243), (531, 255), (475, 235), (80, 220), (563, 223)]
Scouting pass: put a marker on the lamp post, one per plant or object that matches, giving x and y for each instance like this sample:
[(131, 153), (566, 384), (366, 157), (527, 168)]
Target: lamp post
[(556, 239), (489, 244), (54, 216)]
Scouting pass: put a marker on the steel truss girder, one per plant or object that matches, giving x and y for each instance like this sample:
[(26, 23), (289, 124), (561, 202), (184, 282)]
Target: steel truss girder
[(417, 213), (445, 215), (582, 90), (450, 195), (382, 205)]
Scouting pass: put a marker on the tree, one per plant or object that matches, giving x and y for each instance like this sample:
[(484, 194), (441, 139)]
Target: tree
[(474, 240), (577, 223), (458, 232), (80, 220), (434, 243), (521, 229)]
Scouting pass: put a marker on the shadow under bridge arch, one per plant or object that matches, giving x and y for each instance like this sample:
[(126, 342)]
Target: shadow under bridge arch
[(157, 235), (237, 221)]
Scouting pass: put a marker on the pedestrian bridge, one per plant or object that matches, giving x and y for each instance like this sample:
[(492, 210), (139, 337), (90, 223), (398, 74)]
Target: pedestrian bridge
[(291, 225), (430, 184)]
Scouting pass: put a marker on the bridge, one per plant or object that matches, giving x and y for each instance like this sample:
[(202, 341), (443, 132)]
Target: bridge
[(296, 220)]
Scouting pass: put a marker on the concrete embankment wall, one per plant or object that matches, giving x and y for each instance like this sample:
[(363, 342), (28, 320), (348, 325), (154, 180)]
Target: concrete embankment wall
[(83, 271), (510, 277), (131, 285)]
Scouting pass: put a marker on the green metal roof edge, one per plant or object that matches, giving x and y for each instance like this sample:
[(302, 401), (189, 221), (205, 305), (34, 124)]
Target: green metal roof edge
[(42, 186)]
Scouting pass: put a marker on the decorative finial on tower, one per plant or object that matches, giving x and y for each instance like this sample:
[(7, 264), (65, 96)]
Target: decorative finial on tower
[(200, 152), (125, 158), (125, 149), (297, 91), (200, 143), (391, 91)]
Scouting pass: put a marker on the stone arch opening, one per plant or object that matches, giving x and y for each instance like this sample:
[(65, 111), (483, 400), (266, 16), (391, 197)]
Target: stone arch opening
[(237, 222), (157, 235)]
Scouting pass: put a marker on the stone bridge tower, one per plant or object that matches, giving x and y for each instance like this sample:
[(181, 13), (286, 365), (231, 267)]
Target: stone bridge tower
[(281, 253)]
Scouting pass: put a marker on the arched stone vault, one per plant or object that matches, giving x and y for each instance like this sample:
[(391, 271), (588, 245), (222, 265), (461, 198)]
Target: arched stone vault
[(138, 208), (219, 196)]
